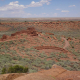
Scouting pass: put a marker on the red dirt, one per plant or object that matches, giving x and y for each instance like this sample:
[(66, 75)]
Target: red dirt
[(69, 39), (51, 47), (54, 37), (50, 33), (4, 37), (31, 31), (4, 28), (69, 75), (11, 76), (70, 25), (55, 73)]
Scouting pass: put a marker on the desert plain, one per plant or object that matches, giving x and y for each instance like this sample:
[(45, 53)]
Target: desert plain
[(49, 47)]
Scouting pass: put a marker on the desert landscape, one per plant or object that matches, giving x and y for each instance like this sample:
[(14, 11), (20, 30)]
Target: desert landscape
[(49, 47)]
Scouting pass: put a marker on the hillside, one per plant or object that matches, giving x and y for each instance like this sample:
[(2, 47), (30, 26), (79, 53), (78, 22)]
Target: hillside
[(40, 45)]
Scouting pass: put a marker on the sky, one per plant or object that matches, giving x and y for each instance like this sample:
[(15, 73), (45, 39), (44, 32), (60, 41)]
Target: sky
[(39, 8)]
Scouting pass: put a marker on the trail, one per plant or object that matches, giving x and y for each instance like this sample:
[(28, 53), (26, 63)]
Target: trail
[(66, 43)]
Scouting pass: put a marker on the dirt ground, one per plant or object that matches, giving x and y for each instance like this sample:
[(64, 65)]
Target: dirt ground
[(55, 73), (47, 42)]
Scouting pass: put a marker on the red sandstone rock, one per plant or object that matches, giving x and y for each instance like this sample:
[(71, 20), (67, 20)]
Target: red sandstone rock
[(30, 31), (4, 37), (50, 33), (69, 38)]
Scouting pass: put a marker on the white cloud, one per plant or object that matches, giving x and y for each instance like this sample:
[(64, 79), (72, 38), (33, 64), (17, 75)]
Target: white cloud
[(32, 2), (45, 1), (12, 6), (15, 5), (37, 4), (64, 11), (72, 5), (19, 13), (14, 9)]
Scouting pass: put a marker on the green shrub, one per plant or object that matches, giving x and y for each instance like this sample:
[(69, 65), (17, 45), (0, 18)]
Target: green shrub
[(3, 70), (15, 69), (72, 46)]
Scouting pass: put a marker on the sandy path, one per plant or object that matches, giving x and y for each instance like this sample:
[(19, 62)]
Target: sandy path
[(66, 43)]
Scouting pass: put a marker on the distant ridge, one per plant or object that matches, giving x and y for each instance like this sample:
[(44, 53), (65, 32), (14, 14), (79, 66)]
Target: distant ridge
[(41, 19)]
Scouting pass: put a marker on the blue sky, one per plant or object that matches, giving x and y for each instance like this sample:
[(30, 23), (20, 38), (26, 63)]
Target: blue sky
[(39, 8)]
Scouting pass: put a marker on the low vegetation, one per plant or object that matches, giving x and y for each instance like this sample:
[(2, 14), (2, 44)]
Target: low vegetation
[(21, 52), (14, 69)]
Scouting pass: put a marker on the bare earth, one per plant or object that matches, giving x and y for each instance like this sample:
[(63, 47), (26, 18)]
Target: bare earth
[(43, 42), (66, 43), (55, 73)]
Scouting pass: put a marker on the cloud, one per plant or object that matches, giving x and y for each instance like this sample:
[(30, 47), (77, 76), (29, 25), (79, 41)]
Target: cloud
[(14, 9), (15, 5), (19, 13), (64, 11), (45, 1), (38, 4), (12, 6), (34, 4), (72, 5)]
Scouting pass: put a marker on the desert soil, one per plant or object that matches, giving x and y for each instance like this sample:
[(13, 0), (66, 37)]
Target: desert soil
[(46, 42)]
